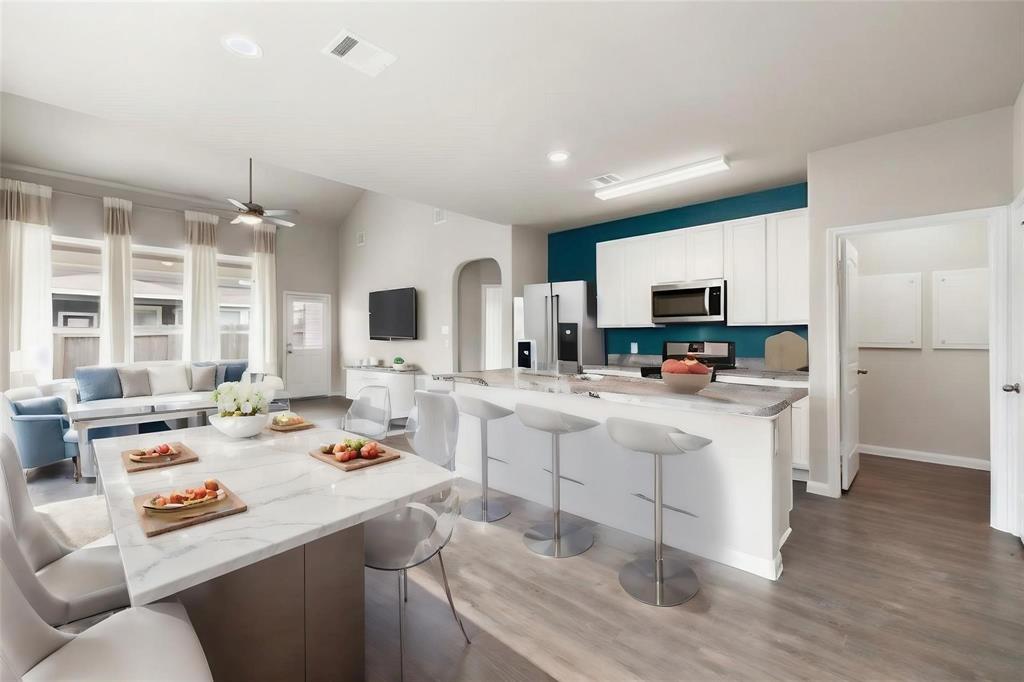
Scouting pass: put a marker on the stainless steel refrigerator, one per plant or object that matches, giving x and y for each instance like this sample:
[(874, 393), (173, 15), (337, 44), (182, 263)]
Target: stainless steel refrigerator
[(560, 319)]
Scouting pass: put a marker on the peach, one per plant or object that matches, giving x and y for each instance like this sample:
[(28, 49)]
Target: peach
[(673, 367), (211, 484), (698, 368)]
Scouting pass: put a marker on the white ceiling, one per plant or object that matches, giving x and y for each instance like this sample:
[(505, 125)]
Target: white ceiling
[(482, 91)]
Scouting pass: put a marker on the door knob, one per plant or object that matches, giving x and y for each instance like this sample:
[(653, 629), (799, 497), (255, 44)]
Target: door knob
[(1012, 388), (862, 371)]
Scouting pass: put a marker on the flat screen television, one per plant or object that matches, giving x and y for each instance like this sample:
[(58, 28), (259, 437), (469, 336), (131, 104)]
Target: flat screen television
[(393, 314)]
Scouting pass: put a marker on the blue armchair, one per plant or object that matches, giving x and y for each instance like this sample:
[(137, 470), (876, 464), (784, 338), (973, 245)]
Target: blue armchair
[(43, 433)]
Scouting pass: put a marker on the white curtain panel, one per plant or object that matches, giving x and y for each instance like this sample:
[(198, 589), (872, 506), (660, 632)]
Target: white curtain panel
[(26, 327), (116, 312), (201, 340), (263, 331)]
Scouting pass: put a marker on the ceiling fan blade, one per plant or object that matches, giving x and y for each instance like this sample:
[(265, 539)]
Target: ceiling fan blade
[(236, 220), (280, 212), (238, 204), (278, 221)]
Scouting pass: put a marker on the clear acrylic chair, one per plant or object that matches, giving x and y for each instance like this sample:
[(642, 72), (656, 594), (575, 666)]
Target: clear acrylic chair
[(414, 534), (370, 413)]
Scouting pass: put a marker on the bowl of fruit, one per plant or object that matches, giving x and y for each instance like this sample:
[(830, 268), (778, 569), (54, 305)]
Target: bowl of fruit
[(685, 376)]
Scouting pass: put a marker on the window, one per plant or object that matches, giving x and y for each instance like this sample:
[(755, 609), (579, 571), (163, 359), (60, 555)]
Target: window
[(307, 325), (157, 290), (76, 287), (234, 299)]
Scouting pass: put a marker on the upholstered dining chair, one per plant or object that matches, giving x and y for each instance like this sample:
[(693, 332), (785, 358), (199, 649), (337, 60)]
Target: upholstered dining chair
[(416, 533), (42, 429), (79, 582), (154, 642)]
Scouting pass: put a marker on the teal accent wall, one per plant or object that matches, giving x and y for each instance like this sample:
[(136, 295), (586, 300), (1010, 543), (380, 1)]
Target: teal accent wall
[(572, 254)]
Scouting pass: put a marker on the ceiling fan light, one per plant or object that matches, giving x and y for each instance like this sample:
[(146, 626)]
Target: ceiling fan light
[(250, 219)]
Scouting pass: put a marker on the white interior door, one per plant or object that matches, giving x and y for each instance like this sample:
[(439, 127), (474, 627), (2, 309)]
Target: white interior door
[(307, 344), (493, 330), (849, 353), (1014, 388)]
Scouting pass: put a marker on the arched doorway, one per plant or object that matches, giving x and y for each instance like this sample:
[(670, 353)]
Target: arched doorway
[(479, 324)]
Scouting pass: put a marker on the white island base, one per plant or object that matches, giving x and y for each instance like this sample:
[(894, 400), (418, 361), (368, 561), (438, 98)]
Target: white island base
[(729, 502)]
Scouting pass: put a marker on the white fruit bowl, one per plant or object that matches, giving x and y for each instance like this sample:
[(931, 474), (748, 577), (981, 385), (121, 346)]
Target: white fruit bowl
[(240, 427), (686, 383)]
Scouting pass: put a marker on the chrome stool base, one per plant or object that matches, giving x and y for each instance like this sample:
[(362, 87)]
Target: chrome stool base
[(473, 510), (574, 540), (678, 581)]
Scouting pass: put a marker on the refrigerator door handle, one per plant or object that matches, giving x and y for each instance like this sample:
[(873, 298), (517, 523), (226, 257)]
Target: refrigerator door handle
[(554, 330), (547, 333)]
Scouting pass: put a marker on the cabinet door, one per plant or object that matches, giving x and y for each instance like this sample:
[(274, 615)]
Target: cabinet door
[(669, 257), (745, 271), (788, 268), (610, 284), (801, 434), (704, 252), (638, 263)]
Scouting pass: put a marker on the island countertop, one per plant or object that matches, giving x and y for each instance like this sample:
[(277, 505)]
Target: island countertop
[(722, 398)]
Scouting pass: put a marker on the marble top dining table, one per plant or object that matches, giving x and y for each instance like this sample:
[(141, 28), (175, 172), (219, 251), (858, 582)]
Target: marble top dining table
[(292, 498)]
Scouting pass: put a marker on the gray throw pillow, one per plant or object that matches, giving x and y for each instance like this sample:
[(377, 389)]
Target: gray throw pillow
[(134, 382), (204, 377)]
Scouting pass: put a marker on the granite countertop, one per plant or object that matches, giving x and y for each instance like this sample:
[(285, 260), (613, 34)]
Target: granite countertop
[(739, 399)]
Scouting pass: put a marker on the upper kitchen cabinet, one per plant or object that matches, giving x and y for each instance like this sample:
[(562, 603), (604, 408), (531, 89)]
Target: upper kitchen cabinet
[(611, 273), (669, 257), (788, 268), (745, 296), (704, 252)]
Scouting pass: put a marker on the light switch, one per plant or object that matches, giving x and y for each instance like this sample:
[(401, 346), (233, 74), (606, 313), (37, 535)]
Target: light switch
[(634, 347)]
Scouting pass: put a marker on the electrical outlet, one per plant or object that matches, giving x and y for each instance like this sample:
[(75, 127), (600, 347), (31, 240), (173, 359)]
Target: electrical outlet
[(634, 347)]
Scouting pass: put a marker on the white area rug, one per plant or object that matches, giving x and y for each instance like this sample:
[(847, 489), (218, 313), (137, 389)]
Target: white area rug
[(77, 522)]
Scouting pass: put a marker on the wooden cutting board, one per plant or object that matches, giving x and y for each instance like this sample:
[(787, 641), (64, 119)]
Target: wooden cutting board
[(353, 464), (185, 455), (291, 427), (158, 524)]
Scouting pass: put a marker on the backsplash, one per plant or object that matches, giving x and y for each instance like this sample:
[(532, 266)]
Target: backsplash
[(572, 254)]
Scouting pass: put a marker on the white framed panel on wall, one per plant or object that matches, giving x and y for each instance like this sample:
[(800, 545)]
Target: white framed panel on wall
[(960, 309), (889, 310)]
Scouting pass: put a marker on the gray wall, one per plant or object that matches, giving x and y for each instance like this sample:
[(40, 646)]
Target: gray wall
[(950, 166), (924, 399), (470, 310)]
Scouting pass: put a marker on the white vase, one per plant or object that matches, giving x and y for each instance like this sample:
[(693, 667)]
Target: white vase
[(240, 427)]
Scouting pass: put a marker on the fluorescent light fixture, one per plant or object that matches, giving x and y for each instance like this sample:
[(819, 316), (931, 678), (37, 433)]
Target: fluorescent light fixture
[(250, 219), (240, 45), (687, 172), (558, 156)]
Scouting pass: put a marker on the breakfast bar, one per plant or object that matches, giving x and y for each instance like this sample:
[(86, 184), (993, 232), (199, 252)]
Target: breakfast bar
[(728, 502), (287, 573)]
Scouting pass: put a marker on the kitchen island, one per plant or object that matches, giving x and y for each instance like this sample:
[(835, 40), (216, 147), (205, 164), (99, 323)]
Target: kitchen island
[(729, 502)]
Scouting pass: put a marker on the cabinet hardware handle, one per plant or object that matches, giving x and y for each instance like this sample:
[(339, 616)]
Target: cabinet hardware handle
[(666, 506), (566, 478)]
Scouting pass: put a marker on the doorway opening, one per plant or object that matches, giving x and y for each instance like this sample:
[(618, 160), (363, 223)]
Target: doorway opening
[(479, 319), (918, 327)]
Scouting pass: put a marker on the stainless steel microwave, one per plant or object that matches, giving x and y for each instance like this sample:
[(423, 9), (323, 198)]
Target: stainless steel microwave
[(678, 302)]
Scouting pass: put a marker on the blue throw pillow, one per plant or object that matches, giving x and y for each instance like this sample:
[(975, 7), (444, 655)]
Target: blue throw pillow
[(230, 371), (97, 383)]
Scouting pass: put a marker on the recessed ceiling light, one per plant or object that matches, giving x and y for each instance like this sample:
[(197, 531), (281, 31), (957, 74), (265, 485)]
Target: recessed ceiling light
[(693, 170), (241, 45), (558, 156)]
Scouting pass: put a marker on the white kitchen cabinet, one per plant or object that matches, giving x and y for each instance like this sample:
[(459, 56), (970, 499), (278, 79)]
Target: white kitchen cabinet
[(745, 271), (638, 259), (788, 268), (669, 257), (610, 280), (801, 433), (704, 252)]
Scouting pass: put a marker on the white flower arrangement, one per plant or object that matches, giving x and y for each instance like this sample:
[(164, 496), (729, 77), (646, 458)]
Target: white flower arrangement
[(235, 399)]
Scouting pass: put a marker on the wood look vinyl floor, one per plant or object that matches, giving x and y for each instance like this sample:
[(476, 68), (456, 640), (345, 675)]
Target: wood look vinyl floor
[(901, 579)]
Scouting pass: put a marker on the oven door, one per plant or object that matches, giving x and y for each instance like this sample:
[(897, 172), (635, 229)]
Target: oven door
[(681, 302)]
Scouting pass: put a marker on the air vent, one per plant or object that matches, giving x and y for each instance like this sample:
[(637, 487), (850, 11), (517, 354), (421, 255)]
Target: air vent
[(440, 216), (360, 238), (605, 180), (358, 53)]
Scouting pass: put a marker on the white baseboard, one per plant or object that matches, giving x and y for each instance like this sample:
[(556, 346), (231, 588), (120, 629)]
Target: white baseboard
[(929, 457), (818, 488)]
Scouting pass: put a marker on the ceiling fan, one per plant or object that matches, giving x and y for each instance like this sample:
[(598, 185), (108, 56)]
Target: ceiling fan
[(252, 213)]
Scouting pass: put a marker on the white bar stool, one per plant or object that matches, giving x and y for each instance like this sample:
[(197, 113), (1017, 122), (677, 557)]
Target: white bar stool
[(658, 581), (551, 539), (482, 509)]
